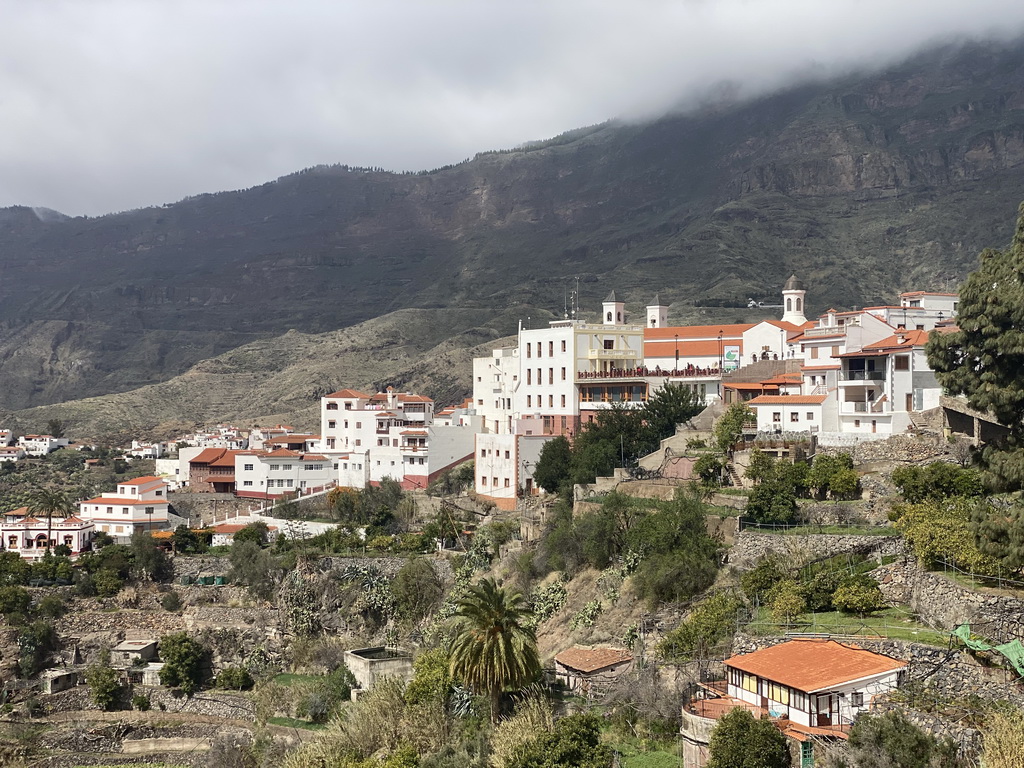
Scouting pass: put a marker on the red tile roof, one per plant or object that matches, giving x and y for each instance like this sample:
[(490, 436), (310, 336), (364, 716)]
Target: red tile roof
[(215, 457), (592, 659), (814, 665), (120, 500), (143, 480), (788, 400), (688, 348), (349, 393), (733, 331)]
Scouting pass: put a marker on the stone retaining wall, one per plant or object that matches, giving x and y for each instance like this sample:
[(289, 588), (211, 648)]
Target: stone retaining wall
[(941, 601), (751, 547)]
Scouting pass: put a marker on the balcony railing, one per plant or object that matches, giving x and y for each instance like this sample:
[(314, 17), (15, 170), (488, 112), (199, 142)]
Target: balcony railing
[(646, 373), (863, 375), (611, 354)]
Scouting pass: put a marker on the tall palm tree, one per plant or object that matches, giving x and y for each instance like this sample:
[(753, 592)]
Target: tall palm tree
[(494, 649), (50, 502)]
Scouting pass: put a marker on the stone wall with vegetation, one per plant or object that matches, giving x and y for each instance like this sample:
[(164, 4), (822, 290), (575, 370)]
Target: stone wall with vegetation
[(939, 600), (751, 547)]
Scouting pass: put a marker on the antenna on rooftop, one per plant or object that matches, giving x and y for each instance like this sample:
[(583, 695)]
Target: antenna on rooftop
[(576, 298)]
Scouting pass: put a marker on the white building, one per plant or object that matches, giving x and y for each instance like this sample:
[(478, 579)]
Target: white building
[(6, 437), (143, 450), (11, 453), (281, 472), (505, 463), (389, 435), (27, 536), (40, 445), (139, 504)]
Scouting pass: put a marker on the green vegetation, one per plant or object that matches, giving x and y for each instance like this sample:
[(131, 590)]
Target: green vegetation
[(494, 647), (740, 741), (984, 357), (574, 742), (186, 662), (892, 740), (711, 624), (104, 684), (618, 436), (937, 481)]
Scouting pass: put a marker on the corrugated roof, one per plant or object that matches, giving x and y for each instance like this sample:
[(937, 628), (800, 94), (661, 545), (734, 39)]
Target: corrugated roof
[(584, 659), (814, 665)]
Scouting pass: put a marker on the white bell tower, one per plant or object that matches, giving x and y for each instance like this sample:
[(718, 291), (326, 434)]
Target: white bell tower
[(613, 311), (657, 313), (793, 293)]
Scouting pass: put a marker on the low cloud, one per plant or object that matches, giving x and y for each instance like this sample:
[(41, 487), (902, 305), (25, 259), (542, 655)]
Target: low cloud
[(106, 106)]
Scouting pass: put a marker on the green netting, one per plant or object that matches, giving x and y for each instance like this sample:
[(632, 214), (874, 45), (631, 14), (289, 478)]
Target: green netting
[(1013, 650)]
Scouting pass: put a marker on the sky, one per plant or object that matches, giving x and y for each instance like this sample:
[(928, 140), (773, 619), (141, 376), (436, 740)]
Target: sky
[(107, 106)]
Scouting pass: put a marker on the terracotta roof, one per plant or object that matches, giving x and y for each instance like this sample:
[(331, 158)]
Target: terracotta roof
[(413, 432), (784, 378), (792, 327), (909, 339), (19, 512), (120, 500), (215, 457), (314, 457), (283, 453), (689, 348), (668, 333), (143, 480), (592, 659), (748, 386), (349, 393), (788, 400), (833, 367), (814, 665), (414, 399)]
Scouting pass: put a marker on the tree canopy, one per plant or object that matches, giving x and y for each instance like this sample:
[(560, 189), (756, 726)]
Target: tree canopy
[(984, 357)]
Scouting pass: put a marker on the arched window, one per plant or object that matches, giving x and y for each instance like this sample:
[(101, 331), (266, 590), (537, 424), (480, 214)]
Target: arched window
[(654, 321), (609, 317), (789, 305), (620, 317), (799, 305)]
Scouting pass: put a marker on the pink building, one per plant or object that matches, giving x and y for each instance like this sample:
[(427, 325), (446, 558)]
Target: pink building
[(27, 536)]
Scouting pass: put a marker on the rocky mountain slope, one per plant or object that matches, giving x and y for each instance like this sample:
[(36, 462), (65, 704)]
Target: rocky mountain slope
[(866, 186)]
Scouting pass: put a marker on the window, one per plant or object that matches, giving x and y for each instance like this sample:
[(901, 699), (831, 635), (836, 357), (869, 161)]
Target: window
[(777, 416), (483, 481), (495, 483), (528, 352), (609, 343), (540, 350), (506, 482), (551, 375), (346, 423), (507, 455), (749, 683), (359, 425), (857, 699), (528, 398), (810, 416), (563, 373), (332, 406), (856, 422), (814, 353), (540, 375), (110, 510), (159, 493), (286, 466), (835, 351), (348, 406), (551, 349), (563, 401), (247, 467), (483, 452), (247, 483), (563, 340), (901, 363), (551, 401), (794, 416), (479, 378), (480, 401), (332, 424), (529, 377), (124, 510), (358, 441)]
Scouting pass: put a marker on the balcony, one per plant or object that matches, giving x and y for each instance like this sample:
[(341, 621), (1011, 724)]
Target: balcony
[(862, 376), (413, 449), (691, 372), (611, 354)]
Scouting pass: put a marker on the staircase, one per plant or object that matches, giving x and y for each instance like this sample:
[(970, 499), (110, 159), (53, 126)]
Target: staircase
[(734, 476)]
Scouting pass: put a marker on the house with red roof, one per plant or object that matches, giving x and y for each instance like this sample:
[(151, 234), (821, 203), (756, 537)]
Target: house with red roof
[(212, 470), (587, 670), (32, 537), (138, 505), (810, 688), (280, 472)]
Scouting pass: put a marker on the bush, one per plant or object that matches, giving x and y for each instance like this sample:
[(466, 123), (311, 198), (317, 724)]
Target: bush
[(710, 622), (892, 740), (235, 679), (417, 589), (738, 740), (326, 695), (171, 601), (759, 580), (140, 702), (575, 742), (186, 662), (14, 600), (859, 594), (937, 481), (107, 583), (51, 607), (773, 501), (104, 684)]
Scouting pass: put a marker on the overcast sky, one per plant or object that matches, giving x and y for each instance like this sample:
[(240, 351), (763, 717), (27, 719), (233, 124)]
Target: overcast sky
[(106, 106)]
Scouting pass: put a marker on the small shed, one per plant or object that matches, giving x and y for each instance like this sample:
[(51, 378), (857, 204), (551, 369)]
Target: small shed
[(586, 669), (368, 665), (147, 675), (132, 652), (57, 680)]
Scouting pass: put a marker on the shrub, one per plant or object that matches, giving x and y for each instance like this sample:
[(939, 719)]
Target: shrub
[(141, 702), (892, 740), (107, 583), (186, 662), (171, 601), (14, 600), (859, 594), (709, 623), (51, 607), (766, 573), (739, 740), (417, 589), (104, 684), (235, 679)]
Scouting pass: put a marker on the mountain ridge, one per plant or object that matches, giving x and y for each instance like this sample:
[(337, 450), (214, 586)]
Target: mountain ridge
[(865, 186)]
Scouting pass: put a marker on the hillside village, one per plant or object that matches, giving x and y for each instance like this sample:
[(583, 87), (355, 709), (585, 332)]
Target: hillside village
[(706, 522)]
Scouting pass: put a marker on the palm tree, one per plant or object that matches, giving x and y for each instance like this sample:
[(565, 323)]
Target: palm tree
[(49, 502), (494, 648)]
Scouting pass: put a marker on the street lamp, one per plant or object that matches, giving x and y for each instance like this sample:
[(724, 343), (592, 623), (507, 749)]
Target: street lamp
[(676, 368), (721, 352)]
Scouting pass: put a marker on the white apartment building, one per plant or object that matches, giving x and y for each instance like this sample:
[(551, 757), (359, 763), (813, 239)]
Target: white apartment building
[(142, 450), (40, 445), (495, 380), (11, 453), (390, 434), (281, 472), (6, 437), (139, 504), (505, 463)]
